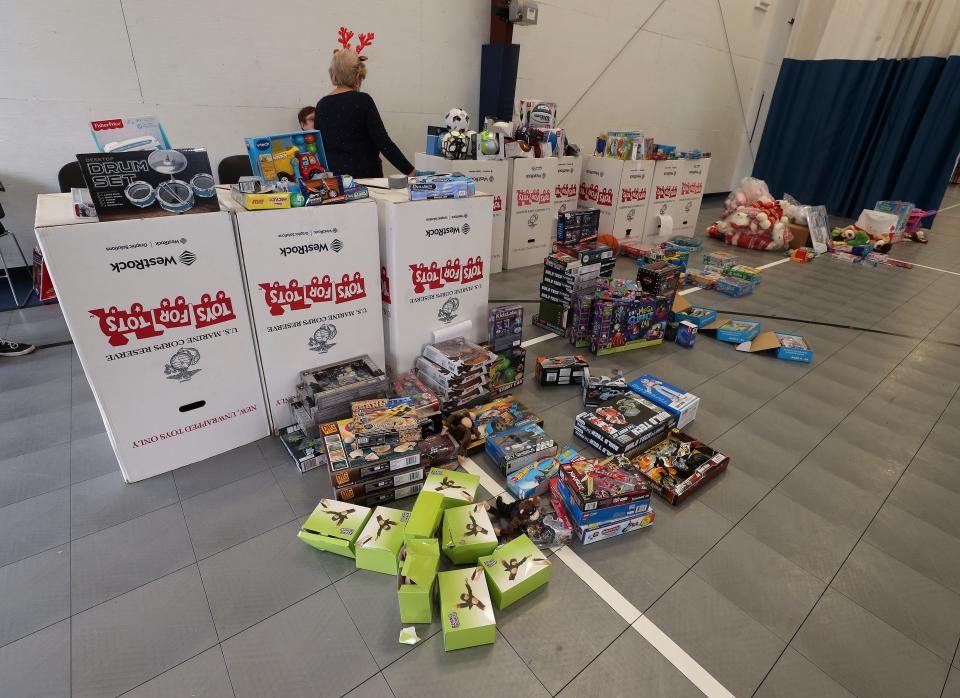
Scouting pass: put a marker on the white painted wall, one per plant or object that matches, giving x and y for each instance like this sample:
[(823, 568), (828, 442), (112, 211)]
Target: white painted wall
[(688, 72), (214, 71)]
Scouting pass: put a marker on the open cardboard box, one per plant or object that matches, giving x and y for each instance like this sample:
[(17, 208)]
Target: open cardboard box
[(732, 330), (416, 583), (379, 543), (684, 311), (334, 526), (467, 533), (783, 345)]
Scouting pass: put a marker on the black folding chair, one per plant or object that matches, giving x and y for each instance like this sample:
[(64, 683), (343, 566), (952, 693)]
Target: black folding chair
[(232, 168)]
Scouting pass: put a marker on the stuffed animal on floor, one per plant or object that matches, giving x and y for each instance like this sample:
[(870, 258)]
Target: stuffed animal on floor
[(759, 226), (460, 426), (850, 235), (511, 518)]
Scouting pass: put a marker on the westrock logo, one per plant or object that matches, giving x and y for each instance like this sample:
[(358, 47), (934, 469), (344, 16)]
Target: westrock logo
[(447, 230), (336, 246), (186, 257)]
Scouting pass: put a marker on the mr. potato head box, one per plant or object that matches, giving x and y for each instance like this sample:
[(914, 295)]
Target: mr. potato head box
[(156, 311)]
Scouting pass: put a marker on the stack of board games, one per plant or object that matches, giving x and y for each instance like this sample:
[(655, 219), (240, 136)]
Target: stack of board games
[(625, 425), (387, 421), (512, 450), (679, 465), (718, 261), (578, 225), (566, 272), (424, 401), (456, 370), (603, 497), (327, 391), (503, 414)]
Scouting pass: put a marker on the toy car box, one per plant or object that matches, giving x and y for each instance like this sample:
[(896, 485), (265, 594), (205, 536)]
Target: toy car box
[(424, 517), (783, 345), (503, 414), (593, 533), (416, 582), (334, 526), (455, 486), (287, 157), (452, 186), (623, 425), (560, 370), (466, 534), (602, 483), (681, 404), (511, 450), (533, 479), (514, 570), (596, 389), (378, 546), (680, 465), (465, 609), (732, 330), (582, 518), (659, 278)]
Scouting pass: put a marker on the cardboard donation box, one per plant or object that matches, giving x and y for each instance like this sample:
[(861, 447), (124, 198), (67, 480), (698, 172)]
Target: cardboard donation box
[(566, 186), (621, 190), (664, 210), (693, 179), (156, 311), (492, 177), (531, 212), (434, 270), (313, 280), (514, 570)]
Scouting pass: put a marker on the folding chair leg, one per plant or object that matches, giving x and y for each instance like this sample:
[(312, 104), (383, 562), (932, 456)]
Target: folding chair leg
[(20, 250), (6, 272)]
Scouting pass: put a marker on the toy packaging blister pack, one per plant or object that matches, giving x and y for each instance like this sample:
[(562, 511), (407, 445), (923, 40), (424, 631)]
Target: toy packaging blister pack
[(334, 526), (288, 157), (623, 425), (679, 465), (678, 402), (511, 450)]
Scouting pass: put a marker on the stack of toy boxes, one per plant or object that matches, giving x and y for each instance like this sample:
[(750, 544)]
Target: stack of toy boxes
[(567, 271), (505, 337), (424, 401), (326, 392), (578, 225), (626, 425), (681, 404), (603, 497), (499, 415), (625, 317), (718, 262), (334, 526), (456, 370), (596, 389), (512, 450)]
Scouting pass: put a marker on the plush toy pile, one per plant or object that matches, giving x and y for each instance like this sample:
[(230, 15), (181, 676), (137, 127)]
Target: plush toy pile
[(752, 218)]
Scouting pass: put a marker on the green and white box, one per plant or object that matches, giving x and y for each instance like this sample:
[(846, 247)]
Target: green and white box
[(378, 546), (334, 526), (465, 609), (514, 570), (457, 487), (467, 533), (417, 581), (425, 516)]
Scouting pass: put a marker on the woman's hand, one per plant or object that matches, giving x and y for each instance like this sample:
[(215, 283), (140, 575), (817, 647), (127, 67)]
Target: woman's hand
[(412, 173)]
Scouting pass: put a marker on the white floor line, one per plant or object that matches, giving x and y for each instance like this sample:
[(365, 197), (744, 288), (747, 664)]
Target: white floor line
[(924, 266), (537, 340), (648, 630), (773, 264), (947, 208)]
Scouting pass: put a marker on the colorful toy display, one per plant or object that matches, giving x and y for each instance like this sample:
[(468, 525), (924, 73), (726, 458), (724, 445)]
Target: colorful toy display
[(533, 479), (512, 450), (679, 465), (288, 157), (596, 389)]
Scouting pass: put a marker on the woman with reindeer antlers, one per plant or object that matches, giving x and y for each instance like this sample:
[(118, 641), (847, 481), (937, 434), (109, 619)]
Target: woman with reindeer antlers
[(352, 130)]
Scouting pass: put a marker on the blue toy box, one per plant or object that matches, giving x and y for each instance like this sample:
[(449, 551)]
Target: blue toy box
[(534, 478), (513, 449), (676, 401), (287, 157), (636, 507), (698, 315), (783, 345), (732, 330), (452, 186)]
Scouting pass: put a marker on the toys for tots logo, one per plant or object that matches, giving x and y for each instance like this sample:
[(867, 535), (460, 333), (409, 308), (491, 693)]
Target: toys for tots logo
[(628, 194), (690, 188), (565, 191), (454, 271), (666, 192), (532, 197), (602, 196), (144, 323), (294, 296)]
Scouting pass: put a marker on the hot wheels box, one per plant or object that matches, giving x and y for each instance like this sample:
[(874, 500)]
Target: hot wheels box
[(679, 403), (592, 533), (601, 483), (732, 330), (534, 478), (625, 424), (783, 345), (680, 465), (596, 389), (511, 450)]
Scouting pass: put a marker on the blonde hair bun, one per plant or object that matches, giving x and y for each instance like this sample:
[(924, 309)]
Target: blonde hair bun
[(347, 68)]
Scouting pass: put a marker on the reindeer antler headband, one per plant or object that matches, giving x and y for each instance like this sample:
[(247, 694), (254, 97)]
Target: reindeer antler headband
[(345, 35)]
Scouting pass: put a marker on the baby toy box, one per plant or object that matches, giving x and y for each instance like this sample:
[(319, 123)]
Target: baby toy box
[(378, 546), (465, 609), (514, 570), (288, 157), (334, 526)]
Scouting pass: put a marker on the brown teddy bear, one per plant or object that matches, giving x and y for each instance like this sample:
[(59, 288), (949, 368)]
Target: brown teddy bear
[(460, 426)]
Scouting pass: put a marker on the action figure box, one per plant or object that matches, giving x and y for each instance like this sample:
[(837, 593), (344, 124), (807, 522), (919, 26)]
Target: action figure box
[(467, 534), (378, 546), (424, 400), (596, 389), (681, 404), (465, 609), (505, 327), (783, 345), (308, 453), (511, 450), (455, 486), (680, 465), (601, 483), (507, 373), (458, 355), (334, 526), (659, 278), (686, 334), (732, 330), (560, 370), (386, 488), (514, 570), (593, 533), (625, 425), (424, 517), (417, 580), (384, 421), (580, 518), (503, 414), (533, 479)]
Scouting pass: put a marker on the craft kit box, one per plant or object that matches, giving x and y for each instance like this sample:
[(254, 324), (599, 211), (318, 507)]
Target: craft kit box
[(681, 404), (334, 526), (514, 570), (312, 276), (434, 270), (491, 177), (455, 486), (466, 534), (466, 610), (417, 581), (157, 314), (693, 179), (531, 211), (378, 546), (621, 190)]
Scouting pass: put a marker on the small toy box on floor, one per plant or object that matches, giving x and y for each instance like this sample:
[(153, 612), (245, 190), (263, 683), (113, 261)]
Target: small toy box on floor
[(424, 517), (378, 546), (560, 370), (596, 389), (603, 483), (683, 311), (455, 486), (732, 330), (783, 345), (678, 402), (465, 609), (623, 425), (514, 570), (416, 583), (680, 465), (593, 533), (635, 507), (467, 533), (533, 479), (334, 526), (511, 450)]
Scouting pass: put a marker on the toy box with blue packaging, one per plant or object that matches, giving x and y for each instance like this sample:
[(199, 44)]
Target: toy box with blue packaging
[(452, 186), (533, 479), (783, 345), (734, 286), (676, 401), (686, 334), (288, 157), (511, 450), (635, 507), (683, 311), (595, 532), (732, 330)]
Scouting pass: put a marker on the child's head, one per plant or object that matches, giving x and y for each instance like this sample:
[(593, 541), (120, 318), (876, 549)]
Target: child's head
[(305, 117)]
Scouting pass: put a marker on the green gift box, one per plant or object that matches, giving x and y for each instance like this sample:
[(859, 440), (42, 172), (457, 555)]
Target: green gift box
[(416, 583), (465, 609), (334, 526), (467, 534), (514, 570), (458, 488), (425, 516), (380, 541)]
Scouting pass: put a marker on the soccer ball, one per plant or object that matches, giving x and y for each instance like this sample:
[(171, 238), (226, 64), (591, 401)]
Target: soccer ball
[(542, 115), (457, 119)]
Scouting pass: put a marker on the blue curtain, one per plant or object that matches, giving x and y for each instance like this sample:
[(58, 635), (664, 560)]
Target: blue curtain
[(847, 133)]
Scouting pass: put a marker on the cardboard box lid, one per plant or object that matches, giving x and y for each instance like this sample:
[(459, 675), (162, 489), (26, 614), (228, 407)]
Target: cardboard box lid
[(681, 304), (519, 558), (422, 561)]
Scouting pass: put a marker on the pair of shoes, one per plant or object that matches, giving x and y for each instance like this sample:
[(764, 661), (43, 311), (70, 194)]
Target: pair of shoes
[(8, 348)]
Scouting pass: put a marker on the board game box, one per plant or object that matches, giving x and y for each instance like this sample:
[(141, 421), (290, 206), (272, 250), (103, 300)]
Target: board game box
[(624, 425), (679, 465)]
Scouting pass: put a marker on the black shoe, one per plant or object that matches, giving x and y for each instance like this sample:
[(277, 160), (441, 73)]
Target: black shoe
[(14, 348)]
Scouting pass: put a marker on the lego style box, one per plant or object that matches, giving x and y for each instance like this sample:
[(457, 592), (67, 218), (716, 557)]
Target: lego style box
[(621, 190), (531, 211), (434, 270), (156, 311), (492, 177), (465, 609), (313, 280)]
